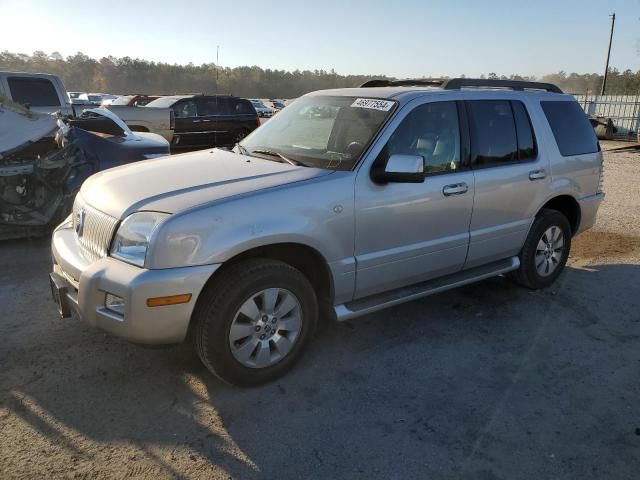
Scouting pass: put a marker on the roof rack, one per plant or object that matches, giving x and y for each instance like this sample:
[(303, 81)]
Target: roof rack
[(459, 83), (423, 82), (520, 85)]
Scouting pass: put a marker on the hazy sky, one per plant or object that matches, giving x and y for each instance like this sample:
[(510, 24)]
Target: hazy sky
[(401, 38)]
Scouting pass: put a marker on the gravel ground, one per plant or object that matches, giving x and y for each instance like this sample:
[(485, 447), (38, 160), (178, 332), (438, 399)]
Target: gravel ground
[(488, 381)]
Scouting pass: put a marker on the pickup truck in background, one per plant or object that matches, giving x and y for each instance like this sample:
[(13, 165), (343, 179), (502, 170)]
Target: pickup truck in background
[(45, 93)]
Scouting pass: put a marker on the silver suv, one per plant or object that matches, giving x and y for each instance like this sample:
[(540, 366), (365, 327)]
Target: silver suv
[(346, 202)]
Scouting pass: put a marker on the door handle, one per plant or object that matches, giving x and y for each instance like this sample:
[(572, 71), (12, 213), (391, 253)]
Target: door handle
[(455, 189), (537, 174), (196, 121), (205, 121)]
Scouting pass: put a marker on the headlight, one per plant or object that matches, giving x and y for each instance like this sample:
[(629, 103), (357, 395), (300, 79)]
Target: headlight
[(132, 238)]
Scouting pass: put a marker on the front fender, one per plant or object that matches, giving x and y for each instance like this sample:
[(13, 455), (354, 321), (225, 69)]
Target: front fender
[(318, 215)]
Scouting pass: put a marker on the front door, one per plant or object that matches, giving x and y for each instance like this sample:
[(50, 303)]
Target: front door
[(411, 232), (188, 127)]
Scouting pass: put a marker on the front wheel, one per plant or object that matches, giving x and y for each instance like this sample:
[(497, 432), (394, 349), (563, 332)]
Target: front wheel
[(254, 320), (545, 251), (239, 136)]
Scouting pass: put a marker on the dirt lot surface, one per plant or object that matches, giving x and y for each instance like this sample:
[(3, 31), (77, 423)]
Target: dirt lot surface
[(487, 382)]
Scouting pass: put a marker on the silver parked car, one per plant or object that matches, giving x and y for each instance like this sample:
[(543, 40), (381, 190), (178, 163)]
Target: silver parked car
[(396, 191), (261, 109)]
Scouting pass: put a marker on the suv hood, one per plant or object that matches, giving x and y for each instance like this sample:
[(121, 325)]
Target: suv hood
[(174, 183)]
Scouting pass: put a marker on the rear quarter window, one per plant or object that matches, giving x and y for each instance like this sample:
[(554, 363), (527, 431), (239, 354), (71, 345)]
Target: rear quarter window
[(571, 128), (243, 107)]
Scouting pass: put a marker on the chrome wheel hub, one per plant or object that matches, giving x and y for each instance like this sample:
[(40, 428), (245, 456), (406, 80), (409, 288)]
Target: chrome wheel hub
[(549, 251), (265, 328)]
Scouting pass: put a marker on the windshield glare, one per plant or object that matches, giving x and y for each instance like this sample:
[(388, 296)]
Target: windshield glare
[(320, 131)]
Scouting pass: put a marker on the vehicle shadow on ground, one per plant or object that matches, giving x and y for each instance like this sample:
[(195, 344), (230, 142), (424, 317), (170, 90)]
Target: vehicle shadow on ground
[(448, 385)]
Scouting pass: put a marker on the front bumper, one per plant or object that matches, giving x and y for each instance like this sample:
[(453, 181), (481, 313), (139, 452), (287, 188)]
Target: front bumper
[(85, 285)]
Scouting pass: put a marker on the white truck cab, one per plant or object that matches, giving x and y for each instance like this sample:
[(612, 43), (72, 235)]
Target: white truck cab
[(45, 93)]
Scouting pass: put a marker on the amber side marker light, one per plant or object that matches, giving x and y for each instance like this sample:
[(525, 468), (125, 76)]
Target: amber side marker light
[(170, 300)]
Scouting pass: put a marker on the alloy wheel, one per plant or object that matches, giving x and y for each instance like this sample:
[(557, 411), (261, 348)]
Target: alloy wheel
[(549, 251), (265, 328)]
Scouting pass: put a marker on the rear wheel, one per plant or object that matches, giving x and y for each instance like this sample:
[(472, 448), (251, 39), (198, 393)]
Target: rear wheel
[(545, 251), (254, 320)]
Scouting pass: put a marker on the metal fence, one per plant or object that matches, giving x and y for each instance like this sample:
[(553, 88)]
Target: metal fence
[(624, 111)]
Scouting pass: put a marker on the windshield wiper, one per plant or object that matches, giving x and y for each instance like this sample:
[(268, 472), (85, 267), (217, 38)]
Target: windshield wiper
[(273, 153), (241, 150)]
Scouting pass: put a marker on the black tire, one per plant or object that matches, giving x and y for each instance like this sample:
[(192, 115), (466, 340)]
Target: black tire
[(527, 274), (221, 299), (240, 135)]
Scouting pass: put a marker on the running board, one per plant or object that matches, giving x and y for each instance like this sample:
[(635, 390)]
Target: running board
[(373, 303)]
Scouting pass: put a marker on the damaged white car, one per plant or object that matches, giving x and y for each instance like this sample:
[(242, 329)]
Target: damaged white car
[(44, 160)]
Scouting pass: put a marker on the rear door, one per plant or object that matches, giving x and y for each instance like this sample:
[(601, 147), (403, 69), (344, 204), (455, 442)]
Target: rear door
[(239, 120), (218, 111), (511, 178)]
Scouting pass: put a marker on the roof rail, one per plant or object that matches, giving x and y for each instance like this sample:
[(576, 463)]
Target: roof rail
[(520, 85), (422, 82), (459, 83)]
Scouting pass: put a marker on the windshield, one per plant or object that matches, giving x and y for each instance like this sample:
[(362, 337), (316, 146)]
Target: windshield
[(322, 131)]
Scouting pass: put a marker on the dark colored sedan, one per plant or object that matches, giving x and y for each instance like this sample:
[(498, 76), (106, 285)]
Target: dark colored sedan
[(209, 120)]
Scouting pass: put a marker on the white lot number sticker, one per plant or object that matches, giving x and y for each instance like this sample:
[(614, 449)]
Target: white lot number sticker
[(373, 104)]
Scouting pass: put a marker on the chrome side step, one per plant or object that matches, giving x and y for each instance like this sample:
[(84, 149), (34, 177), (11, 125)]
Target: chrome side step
[(373, 303)]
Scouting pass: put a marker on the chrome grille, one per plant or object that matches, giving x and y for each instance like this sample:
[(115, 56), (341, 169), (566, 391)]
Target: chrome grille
[(96, 233)]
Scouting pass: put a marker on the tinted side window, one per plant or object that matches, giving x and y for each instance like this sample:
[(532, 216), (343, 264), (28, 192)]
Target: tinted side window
[(493, 132), (185, 108), (433, 132), (37, 92), (212, 106), (243, 107), (571, 128), (527, 149)]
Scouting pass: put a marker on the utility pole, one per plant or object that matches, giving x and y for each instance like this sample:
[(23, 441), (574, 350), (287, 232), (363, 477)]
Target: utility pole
[(606, 68), (218, 60)]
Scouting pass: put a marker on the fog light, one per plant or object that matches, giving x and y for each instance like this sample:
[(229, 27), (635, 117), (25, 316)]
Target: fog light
[(114, 303)]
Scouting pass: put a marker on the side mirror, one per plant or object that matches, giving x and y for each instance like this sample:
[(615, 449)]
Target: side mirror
[(401, 169)]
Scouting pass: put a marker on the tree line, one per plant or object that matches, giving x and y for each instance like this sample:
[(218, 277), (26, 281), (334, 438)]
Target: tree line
[(126, 75)]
